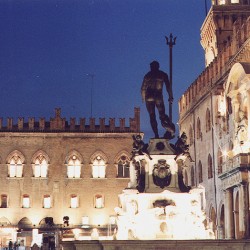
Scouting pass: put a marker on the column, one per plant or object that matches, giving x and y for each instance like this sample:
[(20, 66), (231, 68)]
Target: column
[(248, 111), (245, 210), (229, 218)]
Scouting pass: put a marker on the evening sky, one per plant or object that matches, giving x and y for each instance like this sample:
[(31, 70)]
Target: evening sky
[(50, 49)]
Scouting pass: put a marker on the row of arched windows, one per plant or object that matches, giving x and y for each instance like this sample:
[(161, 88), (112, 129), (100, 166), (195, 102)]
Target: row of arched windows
[(200, 172), (47, 201), (198, 128), (222, 2), (74, 163), (209, 169)]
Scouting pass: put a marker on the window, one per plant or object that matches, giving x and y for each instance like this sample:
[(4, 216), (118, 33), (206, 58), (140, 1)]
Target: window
[(73, 201), (99, 168), (123, 167), (47, 201), (4, 201), (191, 138), (192, 176), (219, 161), (198, 135), (208, 120), (200, 172), (210, 167), (74, 167), (222, 2), (40, 167), (99, 201), (26, 201), (15, 167)]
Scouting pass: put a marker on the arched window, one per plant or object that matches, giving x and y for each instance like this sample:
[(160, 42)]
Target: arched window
[(74, 167), (15, 167), (73, 201), (99, 167), (210, 167), (99, 201), (219, 161), (222, 2), (200, 172), (123, 167), (191, 137), (26, 201), (208, 120), (40, 168), (46, 201), (192, 176), (198, 132)]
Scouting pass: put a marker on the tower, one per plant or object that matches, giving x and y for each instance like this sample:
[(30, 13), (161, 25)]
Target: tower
[(217, 29)]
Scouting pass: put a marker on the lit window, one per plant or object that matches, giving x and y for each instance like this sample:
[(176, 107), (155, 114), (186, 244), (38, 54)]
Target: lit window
[(222, 2), (15, 167), (40, 167), (99, 201), (73, 201), (26, 201), (4, 201), (85, 220), (123, 167), (99, 168), (74, 167), (47, 201), (235, 1)]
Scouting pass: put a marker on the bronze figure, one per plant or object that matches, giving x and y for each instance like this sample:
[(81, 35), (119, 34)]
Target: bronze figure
[(151, 92)]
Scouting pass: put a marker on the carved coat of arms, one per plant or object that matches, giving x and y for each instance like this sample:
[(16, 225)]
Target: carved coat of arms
[(161, 174)]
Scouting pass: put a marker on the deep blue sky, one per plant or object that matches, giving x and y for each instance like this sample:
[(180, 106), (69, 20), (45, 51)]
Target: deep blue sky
[(48, 47)]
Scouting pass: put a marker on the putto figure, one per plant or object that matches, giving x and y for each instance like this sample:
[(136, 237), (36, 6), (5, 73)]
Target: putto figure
[(139, 147), (151, 91)]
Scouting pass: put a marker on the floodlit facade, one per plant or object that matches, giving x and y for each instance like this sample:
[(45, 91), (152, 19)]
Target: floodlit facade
[(61, 179), (214, 112)]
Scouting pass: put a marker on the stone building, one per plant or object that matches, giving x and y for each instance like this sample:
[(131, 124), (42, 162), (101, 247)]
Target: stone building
[(61, 178), (214, 113)]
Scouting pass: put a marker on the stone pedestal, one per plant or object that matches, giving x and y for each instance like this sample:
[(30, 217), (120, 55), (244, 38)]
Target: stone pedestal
[(161, 152)]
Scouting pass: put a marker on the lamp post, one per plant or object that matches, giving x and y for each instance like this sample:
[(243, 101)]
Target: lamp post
[(170, 42)]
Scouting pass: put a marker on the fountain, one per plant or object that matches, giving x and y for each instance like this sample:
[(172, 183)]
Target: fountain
[(157, 204)]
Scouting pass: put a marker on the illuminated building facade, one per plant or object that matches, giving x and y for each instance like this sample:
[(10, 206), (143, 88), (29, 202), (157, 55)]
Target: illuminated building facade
[(59, 177), (214, 113)]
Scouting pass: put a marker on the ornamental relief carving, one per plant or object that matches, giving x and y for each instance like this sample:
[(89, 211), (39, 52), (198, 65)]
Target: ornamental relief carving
[(232, 180)]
